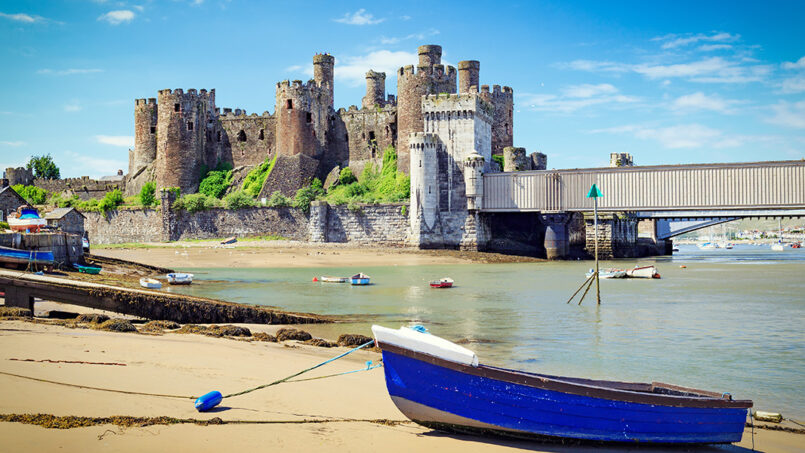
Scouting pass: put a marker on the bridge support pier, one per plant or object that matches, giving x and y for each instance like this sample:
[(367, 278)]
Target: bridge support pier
[(18, 297), (557, 237), (617, 235), (476, 232)]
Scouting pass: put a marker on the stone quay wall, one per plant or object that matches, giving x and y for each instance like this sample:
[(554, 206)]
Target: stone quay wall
[(375, 224)]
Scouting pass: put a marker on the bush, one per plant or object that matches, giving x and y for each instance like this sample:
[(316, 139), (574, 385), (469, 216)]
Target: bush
[(238, 199), (110, 201), (499, 159), (346, 176), (148, 194), (215, 182), (196, 202), (4, 225), (279, 200), (256, 178), (385, 186), (305, 195), (32, 194)]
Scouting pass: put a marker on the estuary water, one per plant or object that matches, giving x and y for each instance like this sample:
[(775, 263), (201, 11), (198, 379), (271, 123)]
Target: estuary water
[(731, 321)]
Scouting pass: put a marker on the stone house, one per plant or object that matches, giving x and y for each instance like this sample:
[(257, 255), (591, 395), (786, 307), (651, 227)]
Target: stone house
[(68, 220), (9, 200)]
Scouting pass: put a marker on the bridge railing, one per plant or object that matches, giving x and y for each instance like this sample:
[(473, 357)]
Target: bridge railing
[(757, 185)]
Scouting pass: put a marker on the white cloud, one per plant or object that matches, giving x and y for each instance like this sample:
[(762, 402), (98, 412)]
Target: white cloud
[(14, 144), (674, 41), (701, 101), (117, 17), (95, 166), (575, 97), (294, 68), (116, 140), (712, 47), (676, 137), (73, 106), (789, 114), (794, 85), (359, 17), (709, 70), (405, 17), (353, 69), (65, 72), (418, 36), (24, 18), (799, 64)]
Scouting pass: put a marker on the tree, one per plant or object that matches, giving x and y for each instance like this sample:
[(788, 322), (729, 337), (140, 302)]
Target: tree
[(43, 167)]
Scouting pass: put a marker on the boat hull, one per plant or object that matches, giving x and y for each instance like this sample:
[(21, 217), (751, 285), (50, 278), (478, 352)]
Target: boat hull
[(462, 398), (359, 281), (16, 256)]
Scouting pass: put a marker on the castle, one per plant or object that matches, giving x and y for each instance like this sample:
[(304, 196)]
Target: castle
[(181, 132)]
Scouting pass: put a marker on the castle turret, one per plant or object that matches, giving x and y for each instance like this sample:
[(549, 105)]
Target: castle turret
[(302, 118), (424, 170), (375, 89), (323, 74), (431, 77), (503, 118), (181, 142), (473, 180), (145, 134), (468, 72)]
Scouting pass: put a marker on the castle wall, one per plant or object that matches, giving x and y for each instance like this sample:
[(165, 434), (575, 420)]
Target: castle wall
[(84, 187), (247, 140), (123, 226), (384, 225), (302, 117), (219, 223), (369, 131), (19, 175), (503, 118)]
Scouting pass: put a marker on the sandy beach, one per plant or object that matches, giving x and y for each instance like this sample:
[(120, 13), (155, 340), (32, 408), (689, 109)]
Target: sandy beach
[(259, 254), (345, 413)]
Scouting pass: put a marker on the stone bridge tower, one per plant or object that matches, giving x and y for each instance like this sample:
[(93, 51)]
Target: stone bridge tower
[(431, 77)]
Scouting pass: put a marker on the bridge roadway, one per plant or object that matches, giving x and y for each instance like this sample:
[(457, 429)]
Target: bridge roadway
[(22, 289), (756, 189)]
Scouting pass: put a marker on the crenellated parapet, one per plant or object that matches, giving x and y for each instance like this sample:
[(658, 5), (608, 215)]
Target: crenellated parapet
[(502, 98)]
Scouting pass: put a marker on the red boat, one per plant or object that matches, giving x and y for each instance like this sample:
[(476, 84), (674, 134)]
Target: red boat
[(443, 283)]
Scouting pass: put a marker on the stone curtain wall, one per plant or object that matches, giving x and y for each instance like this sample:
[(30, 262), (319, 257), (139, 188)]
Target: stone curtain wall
[(219, 223), (141, 225), (375, 224)]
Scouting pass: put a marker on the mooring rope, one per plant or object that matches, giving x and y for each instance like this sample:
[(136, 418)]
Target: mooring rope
[(368, 367)]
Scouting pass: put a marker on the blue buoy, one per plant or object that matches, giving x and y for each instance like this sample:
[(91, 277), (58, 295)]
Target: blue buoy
[(208, 401)]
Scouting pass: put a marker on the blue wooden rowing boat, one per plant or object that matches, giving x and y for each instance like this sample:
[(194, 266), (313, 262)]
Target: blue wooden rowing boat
[(87, 269), (441, 385), (17, 256)]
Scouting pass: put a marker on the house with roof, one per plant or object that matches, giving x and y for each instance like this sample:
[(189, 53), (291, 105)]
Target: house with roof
[(68, 220), (10, 200)]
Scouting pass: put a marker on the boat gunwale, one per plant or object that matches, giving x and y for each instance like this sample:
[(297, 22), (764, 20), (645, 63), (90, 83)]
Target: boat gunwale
[(629, 392)]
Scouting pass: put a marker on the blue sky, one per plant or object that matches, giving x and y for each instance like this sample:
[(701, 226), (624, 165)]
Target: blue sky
[(669, 82)]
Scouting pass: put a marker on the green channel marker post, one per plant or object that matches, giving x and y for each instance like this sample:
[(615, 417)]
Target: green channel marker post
[(595, 193)]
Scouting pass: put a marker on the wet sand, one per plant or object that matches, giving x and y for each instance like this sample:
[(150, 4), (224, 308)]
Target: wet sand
[(186, 364), (260, 254)]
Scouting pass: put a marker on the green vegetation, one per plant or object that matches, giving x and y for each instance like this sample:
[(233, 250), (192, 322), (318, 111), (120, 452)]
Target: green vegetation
[(254, 181), (385, 186), (278, 200), (215, 182), (147, 195), (4, 226), (499, 159), (43, 167), (110, 201), (196, 202), (239, 199), (305, 195), (346, 176), (32, 194)]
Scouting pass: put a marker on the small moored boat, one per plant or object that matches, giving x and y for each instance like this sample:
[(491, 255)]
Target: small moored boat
[(87, 269), (177, 278), (607, 273), (442, 385), (328, 279), (150, 283), (442, 283), (359, 279), (643, 272), (777, 247), (26, 219)]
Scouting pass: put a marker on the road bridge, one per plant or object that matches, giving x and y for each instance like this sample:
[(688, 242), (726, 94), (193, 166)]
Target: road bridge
[(671, 196)]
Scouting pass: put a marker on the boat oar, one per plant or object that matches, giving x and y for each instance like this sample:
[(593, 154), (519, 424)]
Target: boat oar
[(589, 285), (580, 287)]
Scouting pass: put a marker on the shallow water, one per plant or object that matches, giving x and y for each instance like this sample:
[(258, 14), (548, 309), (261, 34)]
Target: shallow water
[(732, 321)]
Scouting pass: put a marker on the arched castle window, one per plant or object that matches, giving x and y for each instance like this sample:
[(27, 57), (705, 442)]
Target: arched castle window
[(176, 107), (308, 117), (219, 136), (261, 136), (189, 125), (153, 129), (289, 104), (241, 136)]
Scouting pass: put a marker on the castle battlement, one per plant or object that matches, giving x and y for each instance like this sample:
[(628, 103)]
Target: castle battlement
[(456, 106), (420, 140)]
